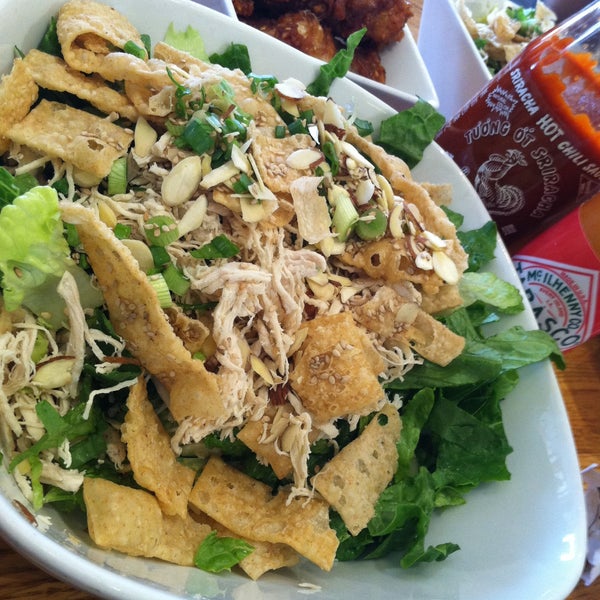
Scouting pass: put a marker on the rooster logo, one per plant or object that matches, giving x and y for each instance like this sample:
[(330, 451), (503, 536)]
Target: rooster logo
[(500, 199)]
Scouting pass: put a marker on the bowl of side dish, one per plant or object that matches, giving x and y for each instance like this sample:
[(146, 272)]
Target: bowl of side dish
[(387, 63), (533, 550), (464, 42)]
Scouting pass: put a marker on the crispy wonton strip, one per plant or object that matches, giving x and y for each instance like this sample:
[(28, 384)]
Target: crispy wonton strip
[(265, 556), (353, 480), (77, 137), (18, 92), (206, 74), (335, 375), (88, 31), (246, 506), (137, 317), (130, 521), (52, 73), (152, 460)]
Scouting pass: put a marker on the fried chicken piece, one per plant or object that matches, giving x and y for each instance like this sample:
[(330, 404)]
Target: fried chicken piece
[(274, 8), (243, 8), (367, 63), (384, 19), (302, 30)]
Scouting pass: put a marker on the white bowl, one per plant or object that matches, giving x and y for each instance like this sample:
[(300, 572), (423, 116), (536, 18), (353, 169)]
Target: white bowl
[(407, 77), (523, 539), (456, 68)]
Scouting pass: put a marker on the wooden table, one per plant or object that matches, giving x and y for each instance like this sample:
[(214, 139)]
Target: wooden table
[(580, 385)]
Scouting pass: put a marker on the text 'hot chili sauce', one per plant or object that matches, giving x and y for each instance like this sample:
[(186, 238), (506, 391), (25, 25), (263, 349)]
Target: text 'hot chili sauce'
[(530, 140)]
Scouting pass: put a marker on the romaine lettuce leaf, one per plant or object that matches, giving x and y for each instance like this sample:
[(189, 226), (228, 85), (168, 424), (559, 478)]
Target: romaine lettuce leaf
[(491, 290), (32, 246), (338, 66), (189, 41), (408, 133), (34, 255), (216, 554)]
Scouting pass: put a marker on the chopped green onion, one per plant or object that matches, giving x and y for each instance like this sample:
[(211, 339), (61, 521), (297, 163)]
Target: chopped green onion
[(117, 178), (147, 41), (71, 235), (373, 226), (297, 126), (177, 282), (122, 231), (364, 127), (199, 355), (161, 230), (135, 50), (181, 92), (328, 150), (40, 347), (262, 83), (161, 288), (242, 184), (159, 255), (219, 247), (280, 131), (345, 215), (199, 136)]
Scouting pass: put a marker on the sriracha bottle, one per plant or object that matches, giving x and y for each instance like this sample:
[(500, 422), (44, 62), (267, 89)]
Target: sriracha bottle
[(529, 142)]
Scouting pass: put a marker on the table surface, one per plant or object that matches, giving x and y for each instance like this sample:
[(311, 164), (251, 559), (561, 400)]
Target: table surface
[(580, 386)]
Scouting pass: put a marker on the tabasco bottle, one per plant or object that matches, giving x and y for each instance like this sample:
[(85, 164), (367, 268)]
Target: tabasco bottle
[(530, 140), (560, 271)]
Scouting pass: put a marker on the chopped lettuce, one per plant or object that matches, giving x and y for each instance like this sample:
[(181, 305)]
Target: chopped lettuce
[(408, 133), (216, 554), (34, 255), (337, 67), (493, 291), (234, 57), (189, 41)]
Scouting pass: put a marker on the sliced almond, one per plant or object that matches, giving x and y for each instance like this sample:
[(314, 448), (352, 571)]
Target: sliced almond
[(364, 191), (386, 191), (434, 241), (240, 160), (141, 253), (424, 261), (299, 338), (259, 367), (194, 216), (55, 372), (106, 214), (85, 179), (444, 267), (220, 175), (144, 137), (396, 221), (324, 292), (291, 88), (332, 115), (180, 184), (303, 158)]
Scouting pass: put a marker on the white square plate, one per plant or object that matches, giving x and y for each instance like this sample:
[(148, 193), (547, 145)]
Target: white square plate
[(455, 66), (521, 539)]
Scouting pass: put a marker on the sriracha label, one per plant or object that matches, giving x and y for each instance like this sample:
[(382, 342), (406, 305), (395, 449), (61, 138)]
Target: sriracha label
[(528, 149)]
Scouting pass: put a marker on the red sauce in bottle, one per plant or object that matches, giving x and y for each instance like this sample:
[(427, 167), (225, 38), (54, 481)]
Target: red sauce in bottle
[(530, 140), (560, 272)]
